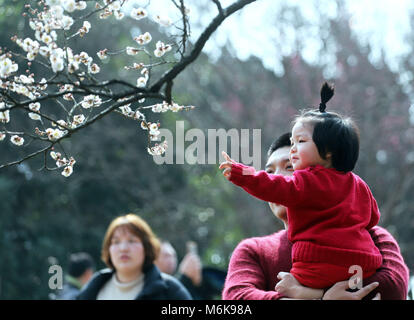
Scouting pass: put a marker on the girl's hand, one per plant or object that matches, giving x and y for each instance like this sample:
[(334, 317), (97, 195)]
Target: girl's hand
[(290, 287), (226, 165)]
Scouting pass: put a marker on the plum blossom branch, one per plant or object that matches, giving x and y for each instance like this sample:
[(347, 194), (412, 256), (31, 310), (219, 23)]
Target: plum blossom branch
[(73, 83)]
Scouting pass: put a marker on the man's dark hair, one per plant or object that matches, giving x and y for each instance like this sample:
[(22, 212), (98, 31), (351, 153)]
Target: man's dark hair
[(282, 141), (79, 263)]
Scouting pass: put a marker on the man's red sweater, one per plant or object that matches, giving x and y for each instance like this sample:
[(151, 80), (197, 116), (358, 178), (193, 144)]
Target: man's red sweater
[(255, 263), (329, 213)]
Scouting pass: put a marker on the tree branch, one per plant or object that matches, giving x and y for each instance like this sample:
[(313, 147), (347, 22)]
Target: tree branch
[(199, 45)]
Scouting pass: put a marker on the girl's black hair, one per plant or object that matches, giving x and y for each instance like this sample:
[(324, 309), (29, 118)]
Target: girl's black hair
[(333, 133)]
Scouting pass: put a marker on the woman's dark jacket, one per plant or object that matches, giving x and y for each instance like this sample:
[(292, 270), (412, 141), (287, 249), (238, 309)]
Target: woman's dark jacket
[(157, 286)]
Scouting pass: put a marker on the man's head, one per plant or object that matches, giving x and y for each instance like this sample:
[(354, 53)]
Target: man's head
[(81, 266), (167, 259), (278, 162)]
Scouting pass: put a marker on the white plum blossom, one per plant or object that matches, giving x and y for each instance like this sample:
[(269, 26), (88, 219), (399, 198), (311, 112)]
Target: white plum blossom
[(78, 119), (119, 15), (160, 107), (158, 53), (143, 39), (102, 54), (163, 20), (55, 155), (91, 101), (175, 107), (43, 83), (60, 162), (84, 58), (46, 38), (139, 13), (66, 22), (7, 66), (34, 116), (56, 59), (44, 51), (153, 128), (69, 5), (142, 82), (62, 124), (34, 106), (2, 136), (67, 171), (81, 5), (54, 134), (24, 79), (66, 87), (131, 51), (158, 149), (126, 110), (145, 72), (73, 66), (4, 115), (85, 28), (57, 64), (94, 68), (18, 141), (35, 25), (53, 2), (31, 56), (161, 49)]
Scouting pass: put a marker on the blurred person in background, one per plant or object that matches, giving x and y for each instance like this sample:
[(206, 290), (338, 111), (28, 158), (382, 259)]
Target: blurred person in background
[(81, 267), (129, 250), (203, 283)]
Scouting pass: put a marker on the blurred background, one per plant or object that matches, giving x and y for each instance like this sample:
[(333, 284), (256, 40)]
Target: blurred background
[(262, 66)]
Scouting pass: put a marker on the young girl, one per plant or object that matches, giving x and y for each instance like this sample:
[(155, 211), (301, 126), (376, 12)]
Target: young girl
[(329, 208)]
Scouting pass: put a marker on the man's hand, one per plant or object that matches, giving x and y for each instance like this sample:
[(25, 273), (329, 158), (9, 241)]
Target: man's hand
[(192, 268), (226, 165), (290, 287), (339, 292)]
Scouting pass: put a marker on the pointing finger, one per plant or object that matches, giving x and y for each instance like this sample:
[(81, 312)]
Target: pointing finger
[(226, 156)]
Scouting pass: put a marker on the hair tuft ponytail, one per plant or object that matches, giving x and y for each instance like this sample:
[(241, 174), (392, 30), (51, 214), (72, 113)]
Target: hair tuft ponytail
[(327, 92)]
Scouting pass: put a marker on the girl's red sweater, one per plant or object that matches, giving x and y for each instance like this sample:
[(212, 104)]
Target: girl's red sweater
[(255, 263), (329, 213)]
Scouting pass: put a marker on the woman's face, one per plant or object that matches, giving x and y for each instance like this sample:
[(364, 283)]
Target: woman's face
[(126, 251)]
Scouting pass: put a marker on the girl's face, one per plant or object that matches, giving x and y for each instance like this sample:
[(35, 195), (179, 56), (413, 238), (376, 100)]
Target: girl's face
[(303, 151), (126, 251)]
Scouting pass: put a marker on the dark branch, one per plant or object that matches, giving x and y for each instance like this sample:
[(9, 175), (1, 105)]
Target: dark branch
[(219, 7), (199, 45)]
